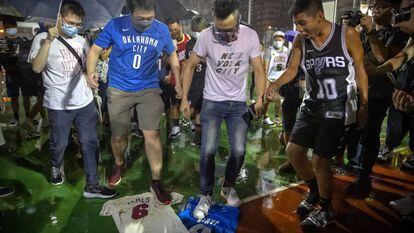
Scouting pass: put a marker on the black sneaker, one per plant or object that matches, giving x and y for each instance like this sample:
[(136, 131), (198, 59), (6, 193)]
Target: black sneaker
[(6, 191), (163, 197), (307, 205), (56, 177), (361, 188), (316, 220), (97, 191)]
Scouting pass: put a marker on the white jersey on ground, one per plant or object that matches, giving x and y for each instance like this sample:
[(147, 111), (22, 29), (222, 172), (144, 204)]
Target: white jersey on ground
[(142, 214), (277, 62)]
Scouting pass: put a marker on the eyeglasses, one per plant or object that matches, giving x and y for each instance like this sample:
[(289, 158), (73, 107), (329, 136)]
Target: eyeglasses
[(78, 25)]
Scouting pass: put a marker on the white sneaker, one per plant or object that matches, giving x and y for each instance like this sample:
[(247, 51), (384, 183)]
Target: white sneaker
[(175, 132), (384, 153), (229, 193), (13, 123), (267, 121), (201, 210)]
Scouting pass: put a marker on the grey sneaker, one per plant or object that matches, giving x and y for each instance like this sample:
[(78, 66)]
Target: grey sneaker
[(56, 177), (230, 194), (316, 220), (201, 210)]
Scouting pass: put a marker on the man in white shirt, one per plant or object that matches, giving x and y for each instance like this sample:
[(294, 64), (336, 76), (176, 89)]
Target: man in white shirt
[(275, 60), (229, 49), (68, 97)]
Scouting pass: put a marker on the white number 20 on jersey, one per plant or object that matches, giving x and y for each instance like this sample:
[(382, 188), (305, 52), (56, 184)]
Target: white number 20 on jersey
[(137, 62), (327, 88)]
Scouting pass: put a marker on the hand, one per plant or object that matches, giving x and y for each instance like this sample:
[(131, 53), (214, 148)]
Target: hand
[(371, 69), (92, 80), (362, 116), (407, 26), (179, 91), (272, 92), (366, 22), (258, 107), (53, 33), (403, 101), (185, 108)]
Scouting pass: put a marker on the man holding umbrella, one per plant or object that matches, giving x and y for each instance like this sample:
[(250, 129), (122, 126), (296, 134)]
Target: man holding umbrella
[(138, 41), (67, 96)]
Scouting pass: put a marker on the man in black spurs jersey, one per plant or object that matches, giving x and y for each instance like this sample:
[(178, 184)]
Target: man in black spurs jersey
[(331, 57)]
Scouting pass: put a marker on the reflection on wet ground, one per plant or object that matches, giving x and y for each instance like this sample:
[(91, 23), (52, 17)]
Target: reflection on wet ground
[(269, 203), (41, 207)]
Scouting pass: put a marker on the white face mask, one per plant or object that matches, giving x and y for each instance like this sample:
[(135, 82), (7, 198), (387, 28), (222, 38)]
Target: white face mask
[(278, 44)]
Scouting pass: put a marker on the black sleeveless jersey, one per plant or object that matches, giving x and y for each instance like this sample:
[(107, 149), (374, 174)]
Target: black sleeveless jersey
[(330, 78), (200, 71)]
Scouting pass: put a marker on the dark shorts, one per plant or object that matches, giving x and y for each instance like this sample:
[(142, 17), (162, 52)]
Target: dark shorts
[(23, 78), (324, 136), (169, 96), (195, 95), (290, 109)]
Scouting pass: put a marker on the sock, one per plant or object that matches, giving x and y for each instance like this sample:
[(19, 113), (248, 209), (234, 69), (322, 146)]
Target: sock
[(313, 186), (16, 117), (325, 204), (27, 115)]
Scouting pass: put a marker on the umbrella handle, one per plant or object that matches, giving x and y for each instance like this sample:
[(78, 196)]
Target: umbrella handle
[(57, 17)]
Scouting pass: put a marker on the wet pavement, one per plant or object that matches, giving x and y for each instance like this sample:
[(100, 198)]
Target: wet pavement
[(38, 206)]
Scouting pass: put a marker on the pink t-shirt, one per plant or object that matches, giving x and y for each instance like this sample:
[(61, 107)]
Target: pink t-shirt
[(227, 66)]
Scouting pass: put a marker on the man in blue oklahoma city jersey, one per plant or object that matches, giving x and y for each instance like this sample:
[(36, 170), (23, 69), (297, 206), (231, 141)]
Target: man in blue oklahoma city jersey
[(137, 41)]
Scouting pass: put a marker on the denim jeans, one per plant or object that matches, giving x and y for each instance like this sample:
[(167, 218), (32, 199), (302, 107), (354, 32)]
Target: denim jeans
[(86, 124), (398, 124), (212, 115), (370, 140)]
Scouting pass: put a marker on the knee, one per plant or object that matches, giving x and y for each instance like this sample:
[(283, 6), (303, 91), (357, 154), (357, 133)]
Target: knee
[(152, 138), (238, 151)]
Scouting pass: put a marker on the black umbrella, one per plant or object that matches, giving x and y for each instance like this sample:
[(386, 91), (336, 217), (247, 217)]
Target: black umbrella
[(165, 9), (7, 11), (98, 12)]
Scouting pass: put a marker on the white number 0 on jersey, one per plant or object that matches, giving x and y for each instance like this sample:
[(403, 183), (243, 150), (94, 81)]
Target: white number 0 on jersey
[(137, 62)]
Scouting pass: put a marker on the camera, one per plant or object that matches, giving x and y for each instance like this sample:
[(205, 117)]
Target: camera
[(400, 16), (353, 17)]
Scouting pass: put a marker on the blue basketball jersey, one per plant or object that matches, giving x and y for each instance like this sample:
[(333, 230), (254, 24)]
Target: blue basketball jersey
[(133, 60), (220, 218)]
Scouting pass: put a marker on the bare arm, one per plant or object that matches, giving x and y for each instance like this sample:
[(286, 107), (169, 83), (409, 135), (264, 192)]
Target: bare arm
[(175, 68), (91, 61), (400, 59), (40, 61), (92, 58), (354, 45), (188, 73), (259, 76)]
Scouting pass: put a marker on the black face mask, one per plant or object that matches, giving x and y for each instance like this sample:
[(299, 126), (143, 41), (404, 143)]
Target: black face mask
[(141, 25), (226, 37)]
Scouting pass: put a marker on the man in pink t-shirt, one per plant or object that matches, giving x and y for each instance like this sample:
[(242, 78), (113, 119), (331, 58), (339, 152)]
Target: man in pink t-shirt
[(228, 48)]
